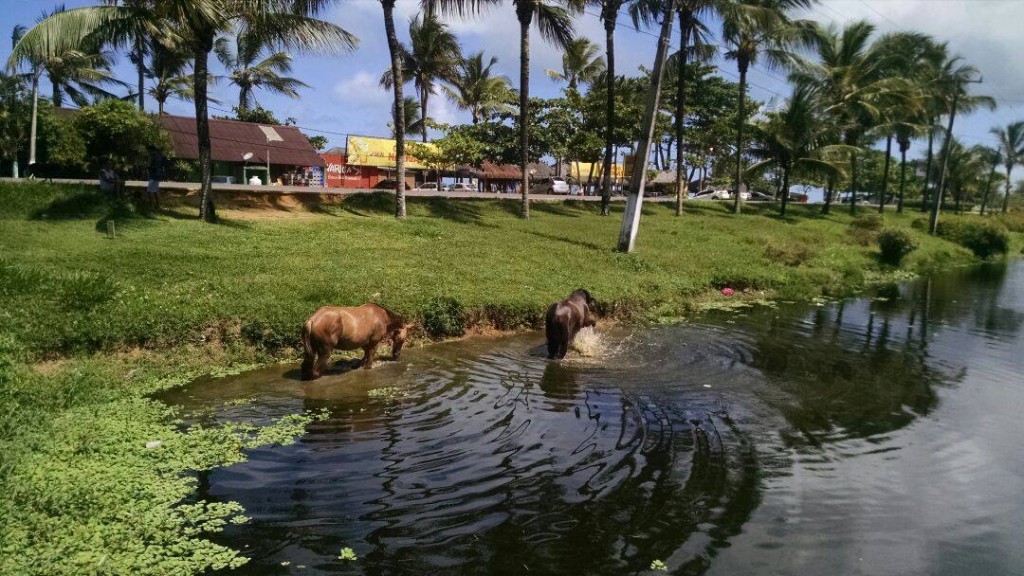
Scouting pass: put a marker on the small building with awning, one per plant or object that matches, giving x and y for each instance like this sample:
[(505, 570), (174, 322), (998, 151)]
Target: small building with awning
[(239, 150)]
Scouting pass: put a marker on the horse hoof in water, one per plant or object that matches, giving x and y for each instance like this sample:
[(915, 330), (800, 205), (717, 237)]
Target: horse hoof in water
[(565, 318), (347, 328)]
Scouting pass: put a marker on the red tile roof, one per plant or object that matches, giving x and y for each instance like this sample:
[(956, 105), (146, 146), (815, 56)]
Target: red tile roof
[(231, 139)]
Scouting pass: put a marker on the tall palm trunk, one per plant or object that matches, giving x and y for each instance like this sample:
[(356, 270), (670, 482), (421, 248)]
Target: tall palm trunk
[(684, 41), (903, 174), (928, 168), (742, 63), (829, 193), (988, 188), (885, 175), (56, 96), (424, 95), (525, 17), (398, 108), (938, 195), (1006, 197), (785, 190), (200, 72), (243, 98), (853, 180), (609, 112), (35, 122), (140, 68)]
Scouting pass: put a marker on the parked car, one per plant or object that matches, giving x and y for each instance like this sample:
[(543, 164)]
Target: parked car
[(760, 197), (427, 187), (388, 184), (549, 186), (798, 197), (463, 187)]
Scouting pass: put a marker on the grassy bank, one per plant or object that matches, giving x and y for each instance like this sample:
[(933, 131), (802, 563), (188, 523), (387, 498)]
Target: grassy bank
[(89, 326)]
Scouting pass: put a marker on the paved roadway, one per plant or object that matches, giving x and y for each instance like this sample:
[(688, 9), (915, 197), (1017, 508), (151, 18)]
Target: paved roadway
[(301, 190)]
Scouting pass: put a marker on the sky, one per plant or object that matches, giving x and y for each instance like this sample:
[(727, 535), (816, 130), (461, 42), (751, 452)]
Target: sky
[(344, 96)]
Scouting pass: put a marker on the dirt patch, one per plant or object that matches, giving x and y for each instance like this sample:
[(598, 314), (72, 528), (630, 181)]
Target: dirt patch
[(49, 367)]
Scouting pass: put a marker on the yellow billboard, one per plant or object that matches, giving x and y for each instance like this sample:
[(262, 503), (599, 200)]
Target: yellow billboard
[(379, 152), (581, 170)]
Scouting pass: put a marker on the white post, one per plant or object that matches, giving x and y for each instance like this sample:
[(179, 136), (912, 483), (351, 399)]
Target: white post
[(631, 217)]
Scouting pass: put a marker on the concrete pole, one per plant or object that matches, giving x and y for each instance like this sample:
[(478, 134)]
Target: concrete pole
[(634, 201)]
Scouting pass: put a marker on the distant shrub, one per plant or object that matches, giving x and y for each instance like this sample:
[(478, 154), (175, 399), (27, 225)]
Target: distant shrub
[(444, 317), (894, 244), (871, 222), (1014, 221), (919, 224), (983, 237), (788, 254)]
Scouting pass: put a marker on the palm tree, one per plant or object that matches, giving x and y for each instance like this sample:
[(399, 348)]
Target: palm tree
[(792, 140), (555, 25), (414, 123), (955, 76), (609, 16), (249, 70), (581, 64), (167, 67), (292, 24), (397, 105), (474, 88), (140, 22), (1011, 146), (434, 55), (851, 81), (753, 31), (993, 158)]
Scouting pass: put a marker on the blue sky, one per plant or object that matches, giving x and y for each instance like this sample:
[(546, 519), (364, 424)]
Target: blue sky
[(344, 96)]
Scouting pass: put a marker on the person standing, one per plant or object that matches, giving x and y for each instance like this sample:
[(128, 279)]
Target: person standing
[(156, 174)]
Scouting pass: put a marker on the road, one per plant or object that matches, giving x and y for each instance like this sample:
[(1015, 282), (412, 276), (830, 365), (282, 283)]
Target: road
[(303, 190)]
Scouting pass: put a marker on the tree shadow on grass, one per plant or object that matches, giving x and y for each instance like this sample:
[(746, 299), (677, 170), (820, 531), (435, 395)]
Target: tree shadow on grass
[(581, 243), (463, 211), (370, 204)]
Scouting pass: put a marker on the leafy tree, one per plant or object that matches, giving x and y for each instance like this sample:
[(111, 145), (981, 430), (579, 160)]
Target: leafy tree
[(15, 116), (118, 133), (319, 141)]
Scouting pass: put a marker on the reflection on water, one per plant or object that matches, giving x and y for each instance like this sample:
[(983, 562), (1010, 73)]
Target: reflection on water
[(864, 436)]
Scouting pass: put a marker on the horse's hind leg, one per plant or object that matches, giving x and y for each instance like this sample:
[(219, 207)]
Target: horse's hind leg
[(552, 349), (308, 366)]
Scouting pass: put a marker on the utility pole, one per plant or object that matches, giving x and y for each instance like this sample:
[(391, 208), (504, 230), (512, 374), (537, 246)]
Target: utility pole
[(634, 201)]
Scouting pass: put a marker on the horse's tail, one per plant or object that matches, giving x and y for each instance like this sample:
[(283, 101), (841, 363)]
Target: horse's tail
[(308, 354)]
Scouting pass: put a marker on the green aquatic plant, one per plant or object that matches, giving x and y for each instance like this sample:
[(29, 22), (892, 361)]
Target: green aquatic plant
[(347, 554), (659, 565)]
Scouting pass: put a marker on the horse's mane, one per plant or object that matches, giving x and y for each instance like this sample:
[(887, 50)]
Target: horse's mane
[(394, 319)]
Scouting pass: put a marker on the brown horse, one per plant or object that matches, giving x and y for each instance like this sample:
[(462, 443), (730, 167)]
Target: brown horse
[(565, 318), (347, 328)]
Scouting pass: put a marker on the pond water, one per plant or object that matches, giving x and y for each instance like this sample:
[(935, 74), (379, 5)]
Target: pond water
[(879, 435)]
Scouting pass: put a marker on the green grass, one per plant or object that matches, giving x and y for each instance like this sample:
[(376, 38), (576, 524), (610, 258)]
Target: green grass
[(90, 326)]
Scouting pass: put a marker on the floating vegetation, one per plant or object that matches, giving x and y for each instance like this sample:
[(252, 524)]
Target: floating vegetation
[(387, 393), (347, 554)]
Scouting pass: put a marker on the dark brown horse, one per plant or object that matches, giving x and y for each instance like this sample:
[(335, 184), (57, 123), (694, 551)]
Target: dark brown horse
[(347, 328), (565, 318)]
